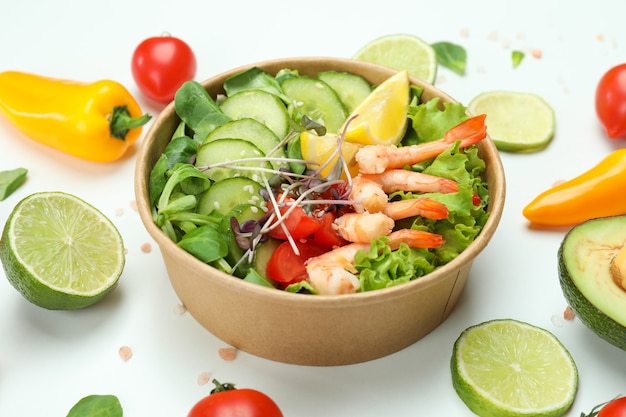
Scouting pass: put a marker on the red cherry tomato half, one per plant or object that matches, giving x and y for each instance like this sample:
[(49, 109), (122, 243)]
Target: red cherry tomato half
[(327, 235), (611, 101), (232, 402), (286, 267), (160, 65), (614, 408), (298, 224)]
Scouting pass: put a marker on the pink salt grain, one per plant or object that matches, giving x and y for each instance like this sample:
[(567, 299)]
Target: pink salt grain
[(125, 353), (228, 354), (146, 248), (204, 378), (569, 314), (536, 53)]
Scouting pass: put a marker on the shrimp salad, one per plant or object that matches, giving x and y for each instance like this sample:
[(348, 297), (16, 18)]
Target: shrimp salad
[(233, 188)]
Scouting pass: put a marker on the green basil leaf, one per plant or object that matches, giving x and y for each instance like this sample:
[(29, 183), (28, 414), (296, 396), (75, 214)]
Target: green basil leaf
[(97, 406), (10, 181), (451, 56)]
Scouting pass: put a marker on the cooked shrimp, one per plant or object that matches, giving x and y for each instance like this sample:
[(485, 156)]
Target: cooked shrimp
[(374, 159), (420, 206), (407, 180), (369, 191), (363, 227), (368, 194), (334, 273)]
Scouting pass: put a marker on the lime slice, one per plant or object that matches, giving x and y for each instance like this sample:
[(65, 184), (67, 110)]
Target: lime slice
[(516, 122), (60, 252), (402, 52), (381, 118), (504, 368)]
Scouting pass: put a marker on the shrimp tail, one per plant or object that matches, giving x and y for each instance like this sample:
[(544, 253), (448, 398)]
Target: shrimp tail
[(420, 206), (469, 132), (415, 238)]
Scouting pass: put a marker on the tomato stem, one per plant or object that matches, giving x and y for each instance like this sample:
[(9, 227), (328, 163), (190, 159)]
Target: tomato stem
[(219, 387)]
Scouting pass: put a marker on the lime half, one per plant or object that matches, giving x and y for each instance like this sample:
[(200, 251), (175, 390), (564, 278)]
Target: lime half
[(60, 252), (504, 368), (402, 52), (516, 122)]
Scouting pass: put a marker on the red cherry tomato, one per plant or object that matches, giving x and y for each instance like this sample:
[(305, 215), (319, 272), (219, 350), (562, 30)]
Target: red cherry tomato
[(611, 101), (160, 65), (298, 224), (327, 235), (227, 401), (286, 267), (614, 408)]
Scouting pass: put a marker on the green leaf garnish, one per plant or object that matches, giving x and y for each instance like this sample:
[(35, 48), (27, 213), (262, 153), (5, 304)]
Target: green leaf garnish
[(97, 406), (516, 58), (451, 56)]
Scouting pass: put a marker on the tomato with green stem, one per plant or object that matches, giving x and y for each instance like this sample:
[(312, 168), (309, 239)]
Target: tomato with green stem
[(161, 64), (227, 401), (611, 101)]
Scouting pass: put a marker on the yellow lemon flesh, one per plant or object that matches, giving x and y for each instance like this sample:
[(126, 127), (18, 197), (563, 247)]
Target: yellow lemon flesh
[(381, 118), (320, 149)]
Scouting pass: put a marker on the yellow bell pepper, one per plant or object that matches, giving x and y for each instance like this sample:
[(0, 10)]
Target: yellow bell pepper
[(598, 192), (94, 121)]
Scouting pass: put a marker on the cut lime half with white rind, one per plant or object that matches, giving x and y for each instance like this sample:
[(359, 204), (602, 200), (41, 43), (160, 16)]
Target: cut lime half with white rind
[(516, 121), (60, 252), (508, 368), (402, 51)]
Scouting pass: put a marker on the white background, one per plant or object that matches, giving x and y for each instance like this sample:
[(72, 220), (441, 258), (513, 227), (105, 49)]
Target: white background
[(51, 359)]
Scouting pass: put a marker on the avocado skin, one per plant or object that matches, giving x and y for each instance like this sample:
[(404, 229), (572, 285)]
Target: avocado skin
[(601, 324)]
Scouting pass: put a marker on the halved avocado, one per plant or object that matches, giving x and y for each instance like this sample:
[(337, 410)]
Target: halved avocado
[(585, 262)]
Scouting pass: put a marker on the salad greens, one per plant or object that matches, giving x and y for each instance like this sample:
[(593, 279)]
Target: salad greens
[(227, 239)]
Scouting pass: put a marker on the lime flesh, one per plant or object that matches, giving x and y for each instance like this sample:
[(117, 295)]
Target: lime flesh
[(402, 52), (504, 368), (60, 252)]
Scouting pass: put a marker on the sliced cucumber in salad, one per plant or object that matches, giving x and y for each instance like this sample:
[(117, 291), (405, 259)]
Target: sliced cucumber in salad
[(225, 195), (351, 88), (259, 105), (245, 156), (254, 131), (317, 100)]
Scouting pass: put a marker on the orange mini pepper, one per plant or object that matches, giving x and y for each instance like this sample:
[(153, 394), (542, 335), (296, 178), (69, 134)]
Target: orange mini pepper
[(598, 192), (95, 121)]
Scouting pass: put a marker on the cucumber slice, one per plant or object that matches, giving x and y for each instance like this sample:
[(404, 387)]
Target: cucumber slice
[(243, 213), (261, 106), (351, 88), (263, 254), (254, 131), (225, 195), (224, 150), (317, 100)]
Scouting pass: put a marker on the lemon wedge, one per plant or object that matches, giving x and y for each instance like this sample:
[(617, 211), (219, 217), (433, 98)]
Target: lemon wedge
[(381, 118), (320, 149)]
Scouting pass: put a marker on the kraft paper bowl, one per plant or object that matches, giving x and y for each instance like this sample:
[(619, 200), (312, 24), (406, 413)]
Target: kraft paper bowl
[(312, 329)]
